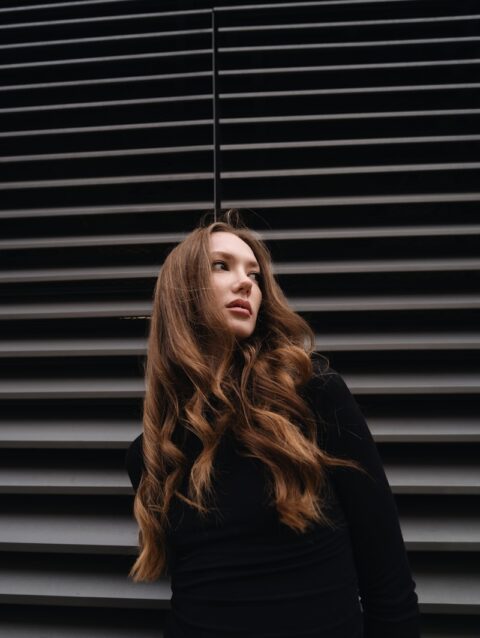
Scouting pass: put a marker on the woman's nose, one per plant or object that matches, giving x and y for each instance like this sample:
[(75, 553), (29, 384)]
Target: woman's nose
[(244, 281)]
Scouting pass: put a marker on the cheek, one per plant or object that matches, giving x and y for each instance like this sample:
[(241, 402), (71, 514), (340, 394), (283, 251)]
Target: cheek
[(217, 287), (259, 299)]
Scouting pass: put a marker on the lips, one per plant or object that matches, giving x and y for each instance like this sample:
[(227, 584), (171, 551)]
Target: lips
[(240, 303)]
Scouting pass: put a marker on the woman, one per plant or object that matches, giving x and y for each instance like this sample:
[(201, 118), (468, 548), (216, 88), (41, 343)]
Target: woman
[(259, 487)]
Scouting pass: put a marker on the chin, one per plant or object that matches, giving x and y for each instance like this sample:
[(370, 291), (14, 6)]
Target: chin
[(242, 333)]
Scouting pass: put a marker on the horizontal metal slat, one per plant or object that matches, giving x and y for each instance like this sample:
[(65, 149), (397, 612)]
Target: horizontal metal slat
[(345, 23), (297, 234), (113, 434), (124, 152), (243, 95), (381, 168), (79, 130), (348, 116), (64, 480), (121, 37), (110, 18), (89, 388), (411, 383), (441, 533), (189, 177), (361, 141), (76, 310), (103, 534), (103, 60), (55, 5), (346, 90), (73, 624), (377, 266), (142, 272), (395, 341), (335, 68), (95, 181), (384, 384), (346, 45), (336, 76), (104, 81), (344, 54), (444, 592), (357, 200), (67, 211), (388, 97), (326, 304), (422, 429), (331, 343), (99, 240), (333, 143), (108, 103), (357, 232), (73, 347), (68, 533), (88, 588), (168, 160), (163, 87), (294, 6), (240, 72), (280, 268), (413, 478), (220, 9), (281, 119), (80, 434), (451, 587)]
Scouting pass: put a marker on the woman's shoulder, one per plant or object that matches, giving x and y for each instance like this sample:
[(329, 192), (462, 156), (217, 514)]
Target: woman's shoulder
[(326, 383), (135, 449), (343, 427), (334, 405), (134, 463)]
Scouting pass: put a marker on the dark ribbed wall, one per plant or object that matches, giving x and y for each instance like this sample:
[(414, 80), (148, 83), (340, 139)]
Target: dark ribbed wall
[(350, 130)]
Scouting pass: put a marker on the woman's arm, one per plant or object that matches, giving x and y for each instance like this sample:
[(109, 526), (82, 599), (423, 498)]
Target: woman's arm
[(387, 589)]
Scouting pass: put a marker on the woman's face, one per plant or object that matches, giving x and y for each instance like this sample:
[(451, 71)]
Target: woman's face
[(235, 275)]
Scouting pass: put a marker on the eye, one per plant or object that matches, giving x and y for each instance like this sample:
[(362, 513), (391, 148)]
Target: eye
[(257, 275)]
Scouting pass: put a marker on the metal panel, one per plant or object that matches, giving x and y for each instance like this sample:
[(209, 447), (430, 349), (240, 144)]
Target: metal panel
[(351, 130)]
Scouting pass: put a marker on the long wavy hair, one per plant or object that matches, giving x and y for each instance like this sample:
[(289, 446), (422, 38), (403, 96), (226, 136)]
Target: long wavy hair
[(200, 377)]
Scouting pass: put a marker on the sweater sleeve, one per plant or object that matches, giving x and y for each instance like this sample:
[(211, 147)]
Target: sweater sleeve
[(134, 461), (387, 589)]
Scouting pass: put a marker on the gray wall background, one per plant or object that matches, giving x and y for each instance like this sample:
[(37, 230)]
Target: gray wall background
[(350, 136)]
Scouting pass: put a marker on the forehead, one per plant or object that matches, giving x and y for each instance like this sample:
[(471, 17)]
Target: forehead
[(230, 243)]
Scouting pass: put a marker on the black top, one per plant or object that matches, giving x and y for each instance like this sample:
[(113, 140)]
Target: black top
[(244, 573)]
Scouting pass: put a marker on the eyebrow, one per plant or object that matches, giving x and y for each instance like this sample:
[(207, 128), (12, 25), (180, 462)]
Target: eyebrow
[(229, 256)]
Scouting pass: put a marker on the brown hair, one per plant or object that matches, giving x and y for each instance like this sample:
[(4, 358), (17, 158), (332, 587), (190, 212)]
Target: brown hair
[(201, 378)]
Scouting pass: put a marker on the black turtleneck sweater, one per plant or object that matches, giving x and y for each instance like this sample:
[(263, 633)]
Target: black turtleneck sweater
[(244, 573)]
